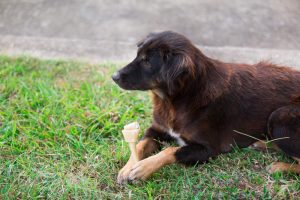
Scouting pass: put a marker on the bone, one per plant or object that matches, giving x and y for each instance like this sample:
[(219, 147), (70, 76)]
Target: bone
[(131, 126), (130, 133)]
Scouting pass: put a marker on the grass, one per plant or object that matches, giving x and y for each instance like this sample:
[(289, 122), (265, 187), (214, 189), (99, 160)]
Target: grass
[(60, 138)]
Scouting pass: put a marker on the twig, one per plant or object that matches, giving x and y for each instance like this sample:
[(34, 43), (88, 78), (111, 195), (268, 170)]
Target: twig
[(266, 142)]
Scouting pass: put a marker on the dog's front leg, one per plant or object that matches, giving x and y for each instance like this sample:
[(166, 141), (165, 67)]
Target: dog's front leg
[(144, 168), (145, 147), (189, 154)]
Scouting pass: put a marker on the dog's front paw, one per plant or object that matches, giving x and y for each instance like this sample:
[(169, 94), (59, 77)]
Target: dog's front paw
[(123, 175), (142, 170)]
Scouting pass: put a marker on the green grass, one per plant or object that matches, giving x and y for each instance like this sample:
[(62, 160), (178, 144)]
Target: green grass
[(60, 138)]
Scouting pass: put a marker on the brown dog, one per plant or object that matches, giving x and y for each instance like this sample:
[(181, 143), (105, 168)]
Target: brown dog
[(199, 102)]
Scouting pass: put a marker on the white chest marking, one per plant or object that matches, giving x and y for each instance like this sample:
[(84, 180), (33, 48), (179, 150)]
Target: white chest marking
[(176, 136)]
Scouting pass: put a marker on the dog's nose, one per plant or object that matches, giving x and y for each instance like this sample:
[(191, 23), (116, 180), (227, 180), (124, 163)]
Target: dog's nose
[(116, 76)]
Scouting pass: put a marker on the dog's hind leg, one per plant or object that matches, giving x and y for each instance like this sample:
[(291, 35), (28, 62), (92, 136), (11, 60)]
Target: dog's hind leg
[(284, 167), (284, 129), (263, 146)]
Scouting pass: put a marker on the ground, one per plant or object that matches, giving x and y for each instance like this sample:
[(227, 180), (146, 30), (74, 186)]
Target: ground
[(60, 138), (97, 30)]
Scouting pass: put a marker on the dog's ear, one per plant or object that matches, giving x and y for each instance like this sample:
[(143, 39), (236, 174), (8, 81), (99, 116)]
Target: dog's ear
[(180, 68), (186, 64)]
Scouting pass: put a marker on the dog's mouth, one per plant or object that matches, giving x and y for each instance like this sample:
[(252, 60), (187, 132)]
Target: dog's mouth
[(130, 85), (127, 86)]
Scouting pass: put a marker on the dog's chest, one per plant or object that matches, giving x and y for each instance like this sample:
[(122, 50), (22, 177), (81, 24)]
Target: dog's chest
[(165, 116), (177, 137), (168, 127)]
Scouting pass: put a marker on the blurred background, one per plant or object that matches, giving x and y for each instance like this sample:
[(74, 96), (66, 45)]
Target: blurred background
[(97, 30)]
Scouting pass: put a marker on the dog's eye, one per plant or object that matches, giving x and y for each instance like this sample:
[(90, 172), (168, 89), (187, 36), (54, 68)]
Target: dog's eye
[(145, 60)]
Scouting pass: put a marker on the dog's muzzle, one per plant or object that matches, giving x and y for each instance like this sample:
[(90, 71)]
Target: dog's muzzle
[(116, 76)]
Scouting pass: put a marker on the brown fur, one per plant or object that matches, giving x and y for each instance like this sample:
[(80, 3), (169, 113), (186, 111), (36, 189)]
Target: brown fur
[(284, 167), (205, 100)]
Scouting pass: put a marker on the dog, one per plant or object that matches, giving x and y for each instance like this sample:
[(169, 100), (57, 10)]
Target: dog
[(208, 106)]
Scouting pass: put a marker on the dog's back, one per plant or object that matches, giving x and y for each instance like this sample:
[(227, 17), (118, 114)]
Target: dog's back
[(254, 92)]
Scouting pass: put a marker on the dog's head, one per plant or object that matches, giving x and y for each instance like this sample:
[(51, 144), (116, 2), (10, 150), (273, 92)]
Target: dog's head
[(164, 61)]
